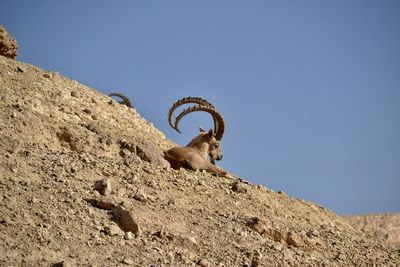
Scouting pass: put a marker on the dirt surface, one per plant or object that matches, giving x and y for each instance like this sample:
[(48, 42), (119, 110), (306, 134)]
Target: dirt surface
[(386, 226), (83, 183)]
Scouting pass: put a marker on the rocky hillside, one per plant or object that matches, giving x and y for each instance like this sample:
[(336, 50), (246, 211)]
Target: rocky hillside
[(386, 225), (83, 183)]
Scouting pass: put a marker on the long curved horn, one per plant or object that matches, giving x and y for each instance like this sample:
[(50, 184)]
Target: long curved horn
[(187, 100), (125, 100), (219, 121)]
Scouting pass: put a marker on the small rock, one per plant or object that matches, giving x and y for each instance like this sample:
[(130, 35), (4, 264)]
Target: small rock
[(103, 186), (47, 75), (128, 261), (340, 257), (87, 111), (258, 225), (277, 246), (293, 239), (34, 200), (126, 220), (313, 233), (243, 234), (64, 263), (6, 220), (128, 235), (152, 184), (141, 196), (188, 242), (101, 203), (74, 94), (239, 188), (204, 263), (255, 262), (112, 230)]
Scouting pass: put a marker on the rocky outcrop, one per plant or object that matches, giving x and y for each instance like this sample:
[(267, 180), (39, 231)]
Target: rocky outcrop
[(8, 44)]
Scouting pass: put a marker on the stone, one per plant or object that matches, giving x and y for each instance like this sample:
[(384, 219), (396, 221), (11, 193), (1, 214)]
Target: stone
[(258, 225), (63, 263), (277, 246), (204, 263), (185, 241), (141, 196), (125, 220), (6, 220), (313, 233), (293, 239), (238, 188), (9, 144), (112, 230), (101, 203), (128, 261), (103, 186), (148, 152), (128, 235), (8, 44)]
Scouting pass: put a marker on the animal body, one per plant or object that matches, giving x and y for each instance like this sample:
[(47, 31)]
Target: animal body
[(206, 144)]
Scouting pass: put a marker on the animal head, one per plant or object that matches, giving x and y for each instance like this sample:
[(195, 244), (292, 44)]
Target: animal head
[(215, 149), (211, 138)]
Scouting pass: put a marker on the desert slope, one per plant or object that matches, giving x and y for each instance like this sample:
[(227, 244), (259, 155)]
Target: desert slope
[(58, 137)]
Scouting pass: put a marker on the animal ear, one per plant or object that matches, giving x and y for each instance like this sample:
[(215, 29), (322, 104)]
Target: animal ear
[(201, 129), (210, 133)]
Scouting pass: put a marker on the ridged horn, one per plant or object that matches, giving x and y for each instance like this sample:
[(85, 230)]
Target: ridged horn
[(187, 100), (125, 100), (218, 120)]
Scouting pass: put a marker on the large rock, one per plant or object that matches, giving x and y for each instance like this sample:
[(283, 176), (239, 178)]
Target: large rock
[(8, 44), (126, 221), (146, 151)]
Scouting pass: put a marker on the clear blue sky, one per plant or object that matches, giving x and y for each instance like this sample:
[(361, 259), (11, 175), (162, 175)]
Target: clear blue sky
[(310, 90)]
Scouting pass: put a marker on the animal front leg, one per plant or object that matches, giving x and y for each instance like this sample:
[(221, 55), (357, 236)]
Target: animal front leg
[(214, 169)]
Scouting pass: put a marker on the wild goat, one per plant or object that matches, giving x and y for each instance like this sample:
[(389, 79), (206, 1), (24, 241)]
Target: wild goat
[(207, 144)]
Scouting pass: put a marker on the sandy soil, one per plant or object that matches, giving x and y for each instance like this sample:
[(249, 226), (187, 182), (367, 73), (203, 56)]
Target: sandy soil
[(58, 138)]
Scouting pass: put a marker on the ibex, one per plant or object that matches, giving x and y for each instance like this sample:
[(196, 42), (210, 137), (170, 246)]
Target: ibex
[(207, 144)]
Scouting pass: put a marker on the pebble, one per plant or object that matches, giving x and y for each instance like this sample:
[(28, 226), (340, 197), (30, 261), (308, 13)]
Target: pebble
[(141, 196), (340, 257), (313, 233), (128, 235), (152, 184), (103, 186), (6, 220), (204, 263), (277, 246), (128, 261), (293, 239), (243, 234), (238, 188), (112, 230), (63, 263), (126, 220)]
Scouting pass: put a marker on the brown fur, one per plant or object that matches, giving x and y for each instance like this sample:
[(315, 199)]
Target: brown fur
[(195, 155)]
